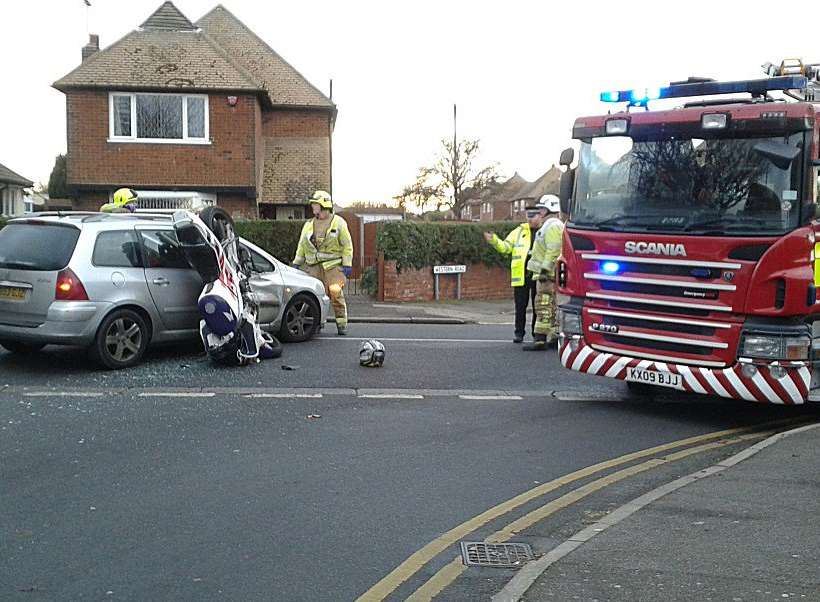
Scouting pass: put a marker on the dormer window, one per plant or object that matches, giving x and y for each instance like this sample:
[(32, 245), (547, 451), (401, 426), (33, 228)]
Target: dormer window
[(163, 118)]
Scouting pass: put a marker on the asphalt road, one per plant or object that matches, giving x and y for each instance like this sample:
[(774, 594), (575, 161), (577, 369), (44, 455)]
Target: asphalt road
[(113, 486)]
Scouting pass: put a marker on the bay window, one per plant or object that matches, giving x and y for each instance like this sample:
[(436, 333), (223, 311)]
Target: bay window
[(181, 118)]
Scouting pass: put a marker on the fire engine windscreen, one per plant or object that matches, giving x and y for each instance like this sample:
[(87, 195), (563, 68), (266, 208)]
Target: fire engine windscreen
[(724, 185)]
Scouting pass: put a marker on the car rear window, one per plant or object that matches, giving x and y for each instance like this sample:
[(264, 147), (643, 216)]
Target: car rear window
[(39, 247)]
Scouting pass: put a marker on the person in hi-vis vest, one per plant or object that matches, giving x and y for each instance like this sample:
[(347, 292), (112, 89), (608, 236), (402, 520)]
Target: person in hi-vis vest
[(325, 251)]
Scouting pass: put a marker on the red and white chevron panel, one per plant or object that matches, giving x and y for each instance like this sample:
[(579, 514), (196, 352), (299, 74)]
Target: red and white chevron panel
[(793, 388)]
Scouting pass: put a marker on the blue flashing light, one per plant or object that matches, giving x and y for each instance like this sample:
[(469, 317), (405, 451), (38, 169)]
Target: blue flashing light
[(611, 267), (610, 96)]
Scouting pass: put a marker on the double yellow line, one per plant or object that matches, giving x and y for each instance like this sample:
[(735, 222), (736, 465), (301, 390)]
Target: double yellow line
[(386, 586)]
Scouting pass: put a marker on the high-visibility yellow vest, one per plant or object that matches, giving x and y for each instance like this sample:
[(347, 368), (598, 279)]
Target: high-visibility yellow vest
[(516, 244), (336, 249), (546, 247)]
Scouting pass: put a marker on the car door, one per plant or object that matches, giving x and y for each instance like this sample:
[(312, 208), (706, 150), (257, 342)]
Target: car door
[(174, 286), (266, 283)]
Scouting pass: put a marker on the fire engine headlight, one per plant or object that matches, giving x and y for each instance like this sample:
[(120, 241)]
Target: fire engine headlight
[(775, 347), (617, 127), (713, 121), (569, 322)]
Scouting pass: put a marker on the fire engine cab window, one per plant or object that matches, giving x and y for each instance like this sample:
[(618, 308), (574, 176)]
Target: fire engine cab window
[(732, 186)]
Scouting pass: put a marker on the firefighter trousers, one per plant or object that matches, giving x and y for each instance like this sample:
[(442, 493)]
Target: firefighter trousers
[(334, 281), (546, 322)]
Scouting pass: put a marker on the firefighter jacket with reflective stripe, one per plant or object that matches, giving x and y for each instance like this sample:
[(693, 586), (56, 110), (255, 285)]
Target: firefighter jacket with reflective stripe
[(335, 249), (547, 247), (516, 244)]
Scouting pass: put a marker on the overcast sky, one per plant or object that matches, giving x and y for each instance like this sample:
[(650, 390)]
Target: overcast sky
[(520, 71)]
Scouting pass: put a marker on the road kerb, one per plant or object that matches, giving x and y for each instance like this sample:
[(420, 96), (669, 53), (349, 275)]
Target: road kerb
[(525, 578)]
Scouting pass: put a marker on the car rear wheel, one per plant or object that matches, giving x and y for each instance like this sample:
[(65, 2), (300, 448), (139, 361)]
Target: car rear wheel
[(301, 320), (121, 340), (22, 348)]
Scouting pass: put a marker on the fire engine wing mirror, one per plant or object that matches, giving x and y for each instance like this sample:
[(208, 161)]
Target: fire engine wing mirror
[(567, 157), (779, 153), (565, 190)]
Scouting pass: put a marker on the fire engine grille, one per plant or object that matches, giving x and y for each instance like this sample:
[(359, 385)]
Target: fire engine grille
[(685, 311), (499, 555), (656, 289), (659, 345), (676, 327)]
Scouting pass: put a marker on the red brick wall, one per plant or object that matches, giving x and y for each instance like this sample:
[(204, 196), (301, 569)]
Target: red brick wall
[(230, 161), (479, 282), (287, 123), (296, 155)]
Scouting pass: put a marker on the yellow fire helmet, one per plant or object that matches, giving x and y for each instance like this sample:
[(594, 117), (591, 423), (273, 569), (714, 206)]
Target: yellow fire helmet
[(322, 198), (124, 196)]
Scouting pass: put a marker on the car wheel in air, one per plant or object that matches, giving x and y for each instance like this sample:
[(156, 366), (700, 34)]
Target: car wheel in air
[(301, 320), (121, 340), (21, 348)]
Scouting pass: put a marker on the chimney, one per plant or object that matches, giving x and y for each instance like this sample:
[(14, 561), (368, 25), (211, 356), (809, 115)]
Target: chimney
[(92, 46)]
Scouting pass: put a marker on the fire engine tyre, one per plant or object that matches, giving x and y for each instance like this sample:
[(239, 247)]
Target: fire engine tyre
[(21, 348), (217, 219), (301, 319), (121, 340)]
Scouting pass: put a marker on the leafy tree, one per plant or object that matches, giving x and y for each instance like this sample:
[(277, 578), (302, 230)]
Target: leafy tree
[(57, 187), (442, 185)]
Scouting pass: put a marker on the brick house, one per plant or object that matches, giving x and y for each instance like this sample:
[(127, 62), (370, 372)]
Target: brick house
[(12, 197), (207, 110)]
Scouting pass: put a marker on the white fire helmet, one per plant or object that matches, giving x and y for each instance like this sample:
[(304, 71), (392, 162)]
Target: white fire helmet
[(550, 202), (371, 354)]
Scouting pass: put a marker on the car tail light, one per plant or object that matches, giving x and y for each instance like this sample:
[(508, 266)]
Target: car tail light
[(69, 287)]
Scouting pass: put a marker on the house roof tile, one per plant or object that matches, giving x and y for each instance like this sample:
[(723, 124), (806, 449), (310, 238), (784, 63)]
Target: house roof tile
[(548, 183), (9, 177), (168, 17), (283, 84), (151, 59), (218, 52)]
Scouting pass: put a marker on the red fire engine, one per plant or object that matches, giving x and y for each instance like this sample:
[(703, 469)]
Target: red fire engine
[(689, 253)]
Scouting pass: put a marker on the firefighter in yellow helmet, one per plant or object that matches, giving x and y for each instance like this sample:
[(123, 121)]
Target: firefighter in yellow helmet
[(541, 267), (124, 201), (325, 251)]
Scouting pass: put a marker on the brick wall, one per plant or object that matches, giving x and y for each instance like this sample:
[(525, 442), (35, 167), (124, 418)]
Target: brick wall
[(295, 168), (296, 155), (230, 161), (479, 282)]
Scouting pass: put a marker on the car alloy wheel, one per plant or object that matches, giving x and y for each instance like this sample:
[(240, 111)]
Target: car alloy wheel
[(301, 319), (123, 340)]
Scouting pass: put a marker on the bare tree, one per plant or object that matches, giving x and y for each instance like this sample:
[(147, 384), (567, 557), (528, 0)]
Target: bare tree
[(442, 184)]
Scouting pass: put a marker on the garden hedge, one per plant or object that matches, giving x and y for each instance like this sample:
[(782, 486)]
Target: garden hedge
[(418, 245)]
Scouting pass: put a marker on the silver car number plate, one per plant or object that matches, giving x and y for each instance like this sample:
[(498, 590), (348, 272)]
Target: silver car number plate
[(654, 377)]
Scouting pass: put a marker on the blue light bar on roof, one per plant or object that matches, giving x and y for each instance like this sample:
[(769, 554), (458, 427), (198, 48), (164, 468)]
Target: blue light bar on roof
[(750, 86)]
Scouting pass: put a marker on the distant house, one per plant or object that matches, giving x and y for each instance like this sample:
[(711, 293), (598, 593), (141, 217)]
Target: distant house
[(12, 193), (206, 111), (548, 183)]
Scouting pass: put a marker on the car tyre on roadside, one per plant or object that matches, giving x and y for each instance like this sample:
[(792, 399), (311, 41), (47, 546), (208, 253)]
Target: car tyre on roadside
[(300, 320), (121, 340), (20, 347)]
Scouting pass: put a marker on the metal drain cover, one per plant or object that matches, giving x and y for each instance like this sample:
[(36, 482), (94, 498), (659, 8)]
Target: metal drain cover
[(502, 555)]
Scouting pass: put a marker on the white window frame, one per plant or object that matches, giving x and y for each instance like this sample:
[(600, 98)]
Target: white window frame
[(206, 198), (133, 137)]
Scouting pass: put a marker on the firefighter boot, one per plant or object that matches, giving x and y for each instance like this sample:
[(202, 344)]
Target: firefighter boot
[(539, 343)]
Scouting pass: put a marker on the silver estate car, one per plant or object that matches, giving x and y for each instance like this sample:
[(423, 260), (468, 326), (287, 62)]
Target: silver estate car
[(116, 282)]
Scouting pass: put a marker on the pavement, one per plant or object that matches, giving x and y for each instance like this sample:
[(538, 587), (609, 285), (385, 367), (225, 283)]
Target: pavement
[(362, 308), (744, 529)]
